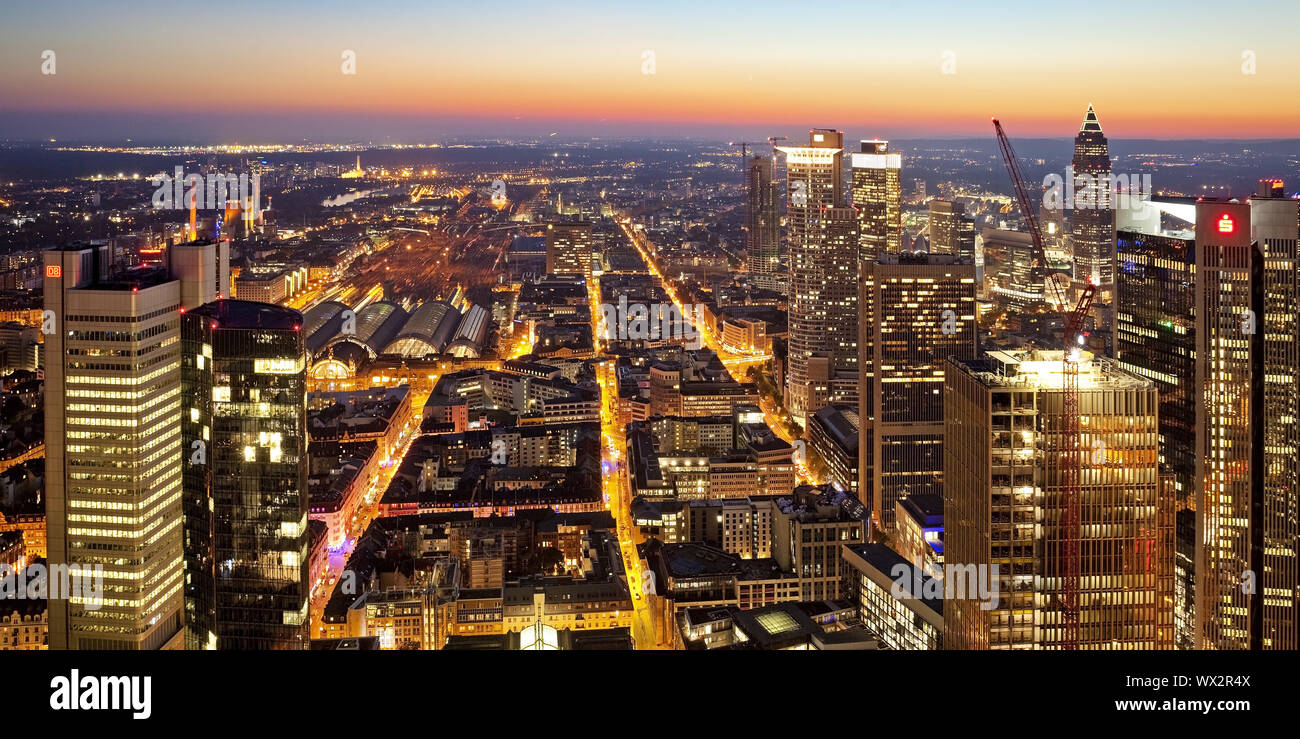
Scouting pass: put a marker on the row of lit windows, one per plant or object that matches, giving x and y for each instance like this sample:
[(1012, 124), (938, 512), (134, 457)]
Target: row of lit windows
[(126, 482), (121, 408), (125, 319), (144, 379), (131, 443), (100, 336), (168, 357)]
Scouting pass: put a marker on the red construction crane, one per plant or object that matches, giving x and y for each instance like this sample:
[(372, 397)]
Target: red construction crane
[(1067, 436)]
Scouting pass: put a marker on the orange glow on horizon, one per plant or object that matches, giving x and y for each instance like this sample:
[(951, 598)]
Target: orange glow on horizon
[(1188, 82)]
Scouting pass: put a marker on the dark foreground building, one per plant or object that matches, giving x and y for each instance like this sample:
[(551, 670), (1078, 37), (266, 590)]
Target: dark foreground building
[(245, 477)]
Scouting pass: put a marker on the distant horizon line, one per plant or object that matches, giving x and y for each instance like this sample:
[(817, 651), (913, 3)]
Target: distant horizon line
[(130, 143)]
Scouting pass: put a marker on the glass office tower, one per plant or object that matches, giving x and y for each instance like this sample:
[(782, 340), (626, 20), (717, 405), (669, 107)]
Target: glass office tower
[(245, 477)]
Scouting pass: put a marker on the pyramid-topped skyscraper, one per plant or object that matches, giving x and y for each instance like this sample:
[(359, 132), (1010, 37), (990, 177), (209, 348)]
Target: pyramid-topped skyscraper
[(1092, 223)]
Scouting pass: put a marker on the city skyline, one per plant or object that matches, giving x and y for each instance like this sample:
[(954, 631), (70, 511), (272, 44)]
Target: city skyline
[(415, 326)]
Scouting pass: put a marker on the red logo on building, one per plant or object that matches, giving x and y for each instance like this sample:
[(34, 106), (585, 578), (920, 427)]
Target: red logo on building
[(1226, 226), (53, 270)]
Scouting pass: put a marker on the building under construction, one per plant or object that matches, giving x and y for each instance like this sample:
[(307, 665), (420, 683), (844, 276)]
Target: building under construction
[(1005, 454)]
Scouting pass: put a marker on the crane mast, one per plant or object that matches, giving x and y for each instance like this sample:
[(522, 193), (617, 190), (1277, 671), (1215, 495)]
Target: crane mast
[(1067, 438)]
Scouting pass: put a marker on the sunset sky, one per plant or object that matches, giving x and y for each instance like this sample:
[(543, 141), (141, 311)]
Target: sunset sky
[(255, 71)]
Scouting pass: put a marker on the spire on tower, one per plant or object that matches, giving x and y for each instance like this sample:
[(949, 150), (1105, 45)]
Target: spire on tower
[(1090, 122)]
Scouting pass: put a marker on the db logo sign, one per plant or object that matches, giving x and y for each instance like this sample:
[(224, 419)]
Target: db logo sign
[(53, 271)]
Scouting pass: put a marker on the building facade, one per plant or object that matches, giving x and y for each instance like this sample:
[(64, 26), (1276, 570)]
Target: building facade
[(1246, 308), (762, 218), (1004, 505), (924, 313), (113, 437), (568, 248), (1092, 222), (1155, 336), (871, 572), (246, 465), (951, 231)]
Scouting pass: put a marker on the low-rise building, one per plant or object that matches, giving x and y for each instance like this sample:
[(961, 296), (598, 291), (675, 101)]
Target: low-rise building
[(339, 480), (833, 435), (24, 624), (809, 527), (816, 625), (918, 530), (744, 335), (914, 621), (695, 575)]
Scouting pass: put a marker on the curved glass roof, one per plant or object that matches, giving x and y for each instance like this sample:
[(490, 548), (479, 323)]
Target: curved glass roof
[(422, 332), (376, 325)]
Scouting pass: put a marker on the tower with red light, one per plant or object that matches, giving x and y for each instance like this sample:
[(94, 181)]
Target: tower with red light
[(1248, 397), (113, 361)]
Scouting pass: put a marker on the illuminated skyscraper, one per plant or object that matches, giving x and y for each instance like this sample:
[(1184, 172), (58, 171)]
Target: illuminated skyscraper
[(1275, 226), (244, 429), (1092, 222), (568, 248), (924, 313), (1015, 278), (951, 232), (824, 315), (823, 275), (877, 197), (113, 437), (1004, 505), (763, 237), (1155, 334), (814, 180), (1155, 338), (1248, 367), (877, 194)]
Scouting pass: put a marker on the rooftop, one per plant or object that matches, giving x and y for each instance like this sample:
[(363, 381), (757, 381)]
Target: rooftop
[(248, 314), (885, 560), (1042, 369), (924, 508)]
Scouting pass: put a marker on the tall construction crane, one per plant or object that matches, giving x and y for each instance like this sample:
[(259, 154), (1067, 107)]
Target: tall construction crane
[(744, 154), (771, 141), (1067, 437)]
